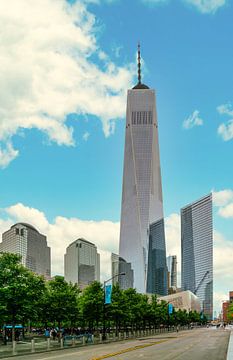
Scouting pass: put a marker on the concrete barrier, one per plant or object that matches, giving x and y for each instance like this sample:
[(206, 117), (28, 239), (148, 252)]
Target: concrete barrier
[(14, 352)]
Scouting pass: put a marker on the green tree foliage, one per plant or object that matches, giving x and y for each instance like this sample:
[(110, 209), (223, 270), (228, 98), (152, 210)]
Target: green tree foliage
[(25, 296), (60, 302), (20, 290), (230, 312), (91, 305)]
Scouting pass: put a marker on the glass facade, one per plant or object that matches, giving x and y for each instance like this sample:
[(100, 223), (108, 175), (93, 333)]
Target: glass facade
[(142, 202), (157, 267), (119, 266), (197, 251)]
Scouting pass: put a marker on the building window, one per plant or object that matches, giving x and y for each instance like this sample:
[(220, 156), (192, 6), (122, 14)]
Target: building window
[(22, 232), (17, 231)]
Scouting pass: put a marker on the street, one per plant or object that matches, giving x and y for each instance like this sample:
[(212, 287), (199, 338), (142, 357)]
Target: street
[(197, 344)]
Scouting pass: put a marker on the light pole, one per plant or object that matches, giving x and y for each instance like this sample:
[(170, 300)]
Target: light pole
[(104, 307)]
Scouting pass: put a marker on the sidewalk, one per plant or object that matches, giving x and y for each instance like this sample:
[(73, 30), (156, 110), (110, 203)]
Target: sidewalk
[(230, 347)]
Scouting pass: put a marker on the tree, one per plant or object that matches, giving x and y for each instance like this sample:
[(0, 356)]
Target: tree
[(91, 304), (20, 290), (118, 309), (60, 303)]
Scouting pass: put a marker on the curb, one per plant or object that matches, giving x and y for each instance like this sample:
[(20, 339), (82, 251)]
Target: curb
[(230, 347)]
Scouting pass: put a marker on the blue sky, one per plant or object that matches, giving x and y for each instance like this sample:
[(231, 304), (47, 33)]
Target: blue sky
[(66, 72)]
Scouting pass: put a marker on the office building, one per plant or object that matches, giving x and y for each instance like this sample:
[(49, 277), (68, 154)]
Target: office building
[(172, 271), (25, 240), (82, 263), (142, 204), (120, 266), (197, 251)]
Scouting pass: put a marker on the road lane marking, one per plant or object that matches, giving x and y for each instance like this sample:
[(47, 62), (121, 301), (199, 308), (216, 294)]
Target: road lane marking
[(127, 350)]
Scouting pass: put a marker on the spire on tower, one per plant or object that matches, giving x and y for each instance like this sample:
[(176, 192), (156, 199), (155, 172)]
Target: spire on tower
[(139, 63), (139, 84)]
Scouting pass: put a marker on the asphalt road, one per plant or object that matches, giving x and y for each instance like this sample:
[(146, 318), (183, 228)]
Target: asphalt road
[(198, 344)]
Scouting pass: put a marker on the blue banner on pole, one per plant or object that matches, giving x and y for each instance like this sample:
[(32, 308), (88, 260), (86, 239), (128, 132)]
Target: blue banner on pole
[(170, 309), (108, 294)]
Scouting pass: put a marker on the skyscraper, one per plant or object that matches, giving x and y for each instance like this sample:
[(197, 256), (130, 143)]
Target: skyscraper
[(82, 263), (142, 205), (25, 240), (197, 251), (172, 271), (119, 266)]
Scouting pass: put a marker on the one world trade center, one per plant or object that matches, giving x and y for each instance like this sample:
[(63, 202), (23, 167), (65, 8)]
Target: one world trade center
[(142, 237)]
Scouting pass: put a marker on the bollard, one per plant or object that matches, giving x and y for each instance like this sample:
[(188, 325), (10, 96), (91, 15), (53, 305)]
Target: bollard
[(48, 343), (73, 341), (92, 339), (113, 337), (119, 336), (101, 338), (134, 333), (138, 333), (62, 343), (107, 336), (84, 340), (33, 346), (14, 347), (124, 335)]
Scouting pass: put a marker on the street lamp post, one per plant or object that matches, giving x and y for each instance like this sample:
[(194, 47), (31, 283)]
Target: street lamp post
[(104, 307)]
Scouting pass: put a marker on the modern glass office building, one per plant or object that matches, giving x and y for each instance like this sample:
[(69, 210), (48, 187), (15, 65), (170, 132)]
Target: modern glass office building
[(25, 240), (197, 251), (142, 203), (120, 266), (157, 268)]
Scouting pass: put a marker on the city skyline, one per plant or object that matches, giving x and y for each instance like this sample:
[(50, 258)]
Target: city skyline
[(61, 141)]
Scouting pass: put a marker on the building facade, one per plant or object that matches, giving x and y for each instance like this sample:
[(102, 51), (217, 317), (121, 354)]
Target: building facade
[(184, 300), (142, 203), (172, 271), (25, 240), (197, 251), (82, 263), (119, 266)]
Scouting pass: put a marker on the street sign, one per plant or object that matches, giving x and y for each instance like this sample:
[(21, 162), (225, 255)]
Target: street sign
[(108, 294), (170, 309)]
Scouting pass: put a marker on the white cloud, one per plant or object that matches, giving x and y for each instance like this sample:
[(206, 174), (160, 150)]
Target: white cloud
[(225, 109), (192, 120), (203, 6), (226, 211), (207, 6), (61, 232), (222, 197), (225, 130), (48, 71), (86, 136), (7, 154)]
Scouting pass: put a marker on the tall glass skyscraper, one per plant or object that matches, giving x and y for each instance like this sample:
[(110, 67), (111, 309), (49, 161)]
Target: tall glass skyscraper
[(197, 251), (142, 239)]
